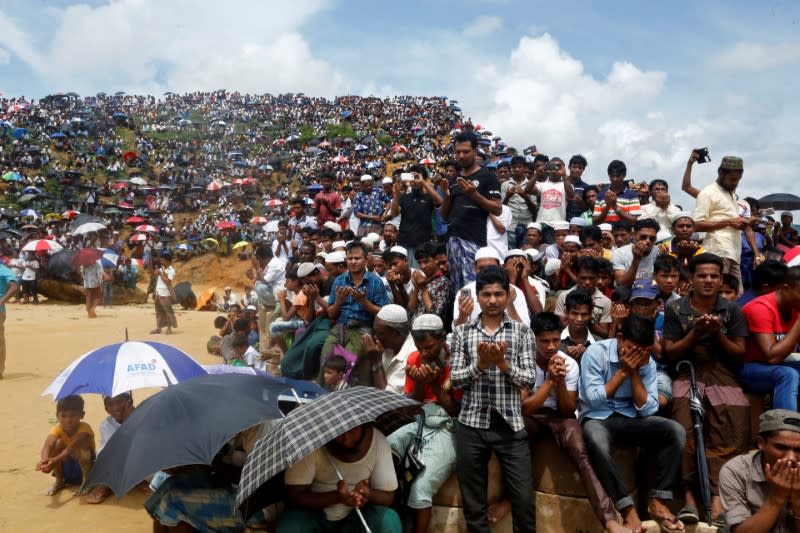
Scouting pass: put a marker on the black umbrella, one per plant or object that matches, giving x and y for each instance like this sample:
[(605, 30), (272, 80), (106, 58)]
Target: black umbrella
[(698, 412), (781, 200), (309, 428), (184, 424), (82, 219), (60, 264)]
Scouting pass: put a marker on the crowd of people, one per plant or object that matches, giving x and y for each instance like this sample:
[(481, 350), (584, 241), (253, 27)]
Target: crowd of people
[(515, 300)]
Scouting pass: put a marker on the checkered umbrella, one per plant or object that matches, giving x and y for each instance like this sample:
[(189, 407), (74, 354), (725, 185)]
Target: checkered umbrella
[(310, 427)]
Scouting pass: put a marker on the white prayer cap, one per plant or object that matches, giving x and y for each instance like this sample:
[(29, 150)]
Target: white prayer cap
[(487, 252), (393, 314)]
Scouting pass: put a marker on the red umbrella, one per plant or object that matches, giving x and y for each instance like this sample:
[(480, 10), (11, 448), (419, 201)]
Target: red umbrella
[(42, 245), (134, 220), (127, 156), (339, 159), (139, 237), (258, 220), (125, 205), (69, 215), (146, 228), (399, 148), (274, 203), (225, 224), (86, 257), (119, 186), (214, 186), (237, 181), (249, 181)]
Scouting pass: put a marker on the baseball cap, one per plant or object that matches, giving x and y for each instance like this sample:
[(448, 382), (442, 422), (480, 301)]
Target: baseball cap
[(644, 289), (427, 322), (779, 420), (731, 162)]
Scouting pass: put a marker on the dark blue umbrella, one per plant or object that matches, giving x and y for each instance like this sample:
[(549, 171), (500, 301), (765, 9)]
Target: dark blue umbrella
[(185, 424), (58, 135), (18, 133)]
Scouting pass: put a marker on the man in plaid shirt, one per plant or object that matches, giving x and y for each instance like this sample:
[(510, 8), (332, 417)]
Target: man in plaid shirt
[(493, 359)]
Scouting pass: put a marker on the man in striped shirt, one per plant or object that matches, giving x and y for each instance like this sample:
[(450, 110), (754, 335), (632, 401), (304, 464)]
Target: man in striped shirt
[(618, 202), (493, 359)]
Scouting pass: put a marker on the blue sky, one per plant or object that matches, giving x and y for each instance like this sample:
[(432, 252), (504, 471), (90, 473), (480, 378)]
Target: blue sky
[(641, 81)]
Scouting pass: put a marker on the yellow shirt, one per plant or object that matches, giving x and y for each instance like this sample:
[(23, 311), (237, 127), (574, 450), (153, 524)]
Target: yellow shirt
[(714, 204), (58, 431)]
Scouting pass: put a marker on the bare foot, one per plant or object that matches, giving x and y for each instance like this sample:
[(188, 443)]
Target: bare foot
[(98, 494), (56, 488), (631, 520), (498, 511)]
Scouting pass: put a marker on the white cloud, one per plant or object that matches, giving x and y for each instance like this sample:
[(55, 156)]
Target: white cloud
[(150, 46), (483, 25), (5, 57), (748, 56)]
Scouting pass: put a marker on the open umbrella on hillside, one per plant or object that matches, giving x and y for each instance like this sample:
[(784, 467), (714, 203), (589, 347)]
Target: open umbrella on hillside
[(146, 228), (135, 220), (259, 220), (86, 256), (42, 246), (89, 227), (783, 201)]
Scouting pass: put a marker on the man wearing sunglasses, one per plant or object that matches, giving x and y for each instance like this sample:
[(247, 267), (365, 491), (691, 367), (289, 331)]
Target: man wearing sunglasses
[(635, 261)]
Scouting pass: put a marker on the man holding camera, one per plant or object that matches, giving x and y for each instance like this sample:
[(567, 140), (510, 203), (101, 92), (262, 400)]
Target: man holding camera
[(717, 213)]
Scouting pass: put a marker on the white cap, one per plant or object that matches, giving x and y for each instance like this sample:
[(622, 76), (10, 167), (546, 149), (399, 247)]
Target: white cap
[(682, 214), (374, 237), (577, 221), (335, 257), (533, 254), (399, 250), (605, 226), (427, 322), (552, 266), (393, 314), (573, 239), (304, 269), (338, 244), (516, 252), (560, 225), (322, 255), (387, 181), (366, 177), (535, 225), (487, 252), (333, 225)]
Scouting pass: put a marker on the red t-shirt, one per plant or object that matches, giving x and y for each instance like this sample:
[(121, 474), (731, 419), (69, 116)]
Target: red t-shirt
[(334, 201), (415, 359), (763, 317)]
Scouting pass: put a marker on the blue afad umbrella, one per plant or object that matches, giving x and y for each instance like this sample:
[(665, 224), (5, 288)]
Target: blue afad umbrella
[(309, 428), (186, 424), (18, 133), (124, 366)]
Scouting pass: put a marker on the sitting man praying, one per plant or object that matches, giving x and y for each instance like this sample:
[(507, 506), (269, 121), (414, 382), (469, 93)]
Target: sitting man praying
[(317, 500)]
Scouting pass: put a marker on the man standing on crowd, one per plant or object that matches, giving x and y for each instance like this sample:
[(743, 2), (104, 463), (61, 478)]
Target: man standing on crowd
[(327, 202), (416, 209), (493, 360), (523, 205), (368, 207), (576, 206), (618, 202), (717, 213), (467, 202)]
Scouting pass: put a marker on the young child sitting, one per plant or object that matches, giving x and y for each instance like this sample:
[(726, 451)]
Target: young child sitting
[(333, 373), (68, 451), (730, 287), (245, 355)]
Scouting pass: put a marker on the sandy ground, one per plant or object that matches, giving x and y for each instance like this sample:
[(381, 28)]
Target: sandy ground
[(41, 341)]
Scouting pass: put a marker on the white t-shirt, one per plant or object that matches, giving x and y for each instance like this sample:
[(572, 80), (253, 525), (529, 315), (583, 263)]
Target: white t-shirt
[(552, 202), (250, 357), (161, 287), (520, 305), (30, 270), (495, 239), (622, 259), (394, 365), (570, 380), (316, 470), (107, 428)]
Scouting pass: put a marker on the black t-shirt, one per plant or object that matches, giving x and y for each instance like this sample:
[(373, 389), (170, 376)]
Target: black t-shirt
[(467, 219), (574, 208), (416, 210)]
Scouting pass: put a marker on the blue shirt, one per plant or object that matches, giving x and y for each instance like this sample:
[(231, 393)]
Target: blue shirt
[(351, 309), (599, 363), (369, 204), (6, 277)]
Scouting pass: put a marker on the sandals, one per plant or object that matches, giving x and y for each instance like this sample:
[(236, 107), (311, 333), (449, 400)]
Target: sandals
[(98, 495), (688, 515)]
